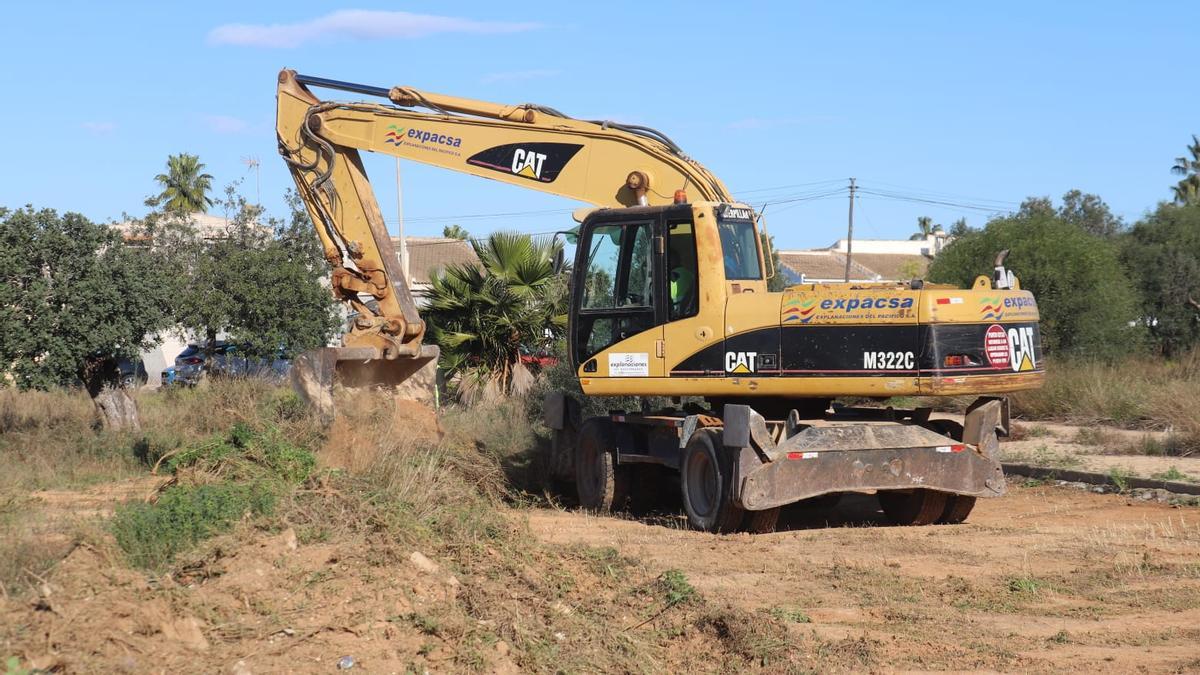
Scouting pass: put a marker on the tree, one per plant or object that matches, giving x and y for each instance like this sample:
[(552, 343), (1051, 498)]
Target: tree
[(1083, 293), (185, 187), (1163, 254), (925, 228), (959, 227), (1187, 190), (455, 232), (484, 317), (260, 286), (1090, 213), (779, 281), (75, 300)]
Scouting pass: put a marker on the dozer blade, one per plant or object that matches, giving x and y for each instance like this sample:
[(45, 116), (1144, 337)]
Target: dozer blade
[(317, 374)]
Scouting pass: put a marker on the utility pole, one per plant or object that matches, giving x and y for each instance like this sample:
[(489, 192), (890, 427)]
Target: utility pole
[(400, 221), (850, 231)]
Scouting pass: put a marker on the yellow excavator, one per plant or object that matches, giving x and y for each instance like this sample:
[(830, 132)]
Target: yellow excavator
[(669, 299)]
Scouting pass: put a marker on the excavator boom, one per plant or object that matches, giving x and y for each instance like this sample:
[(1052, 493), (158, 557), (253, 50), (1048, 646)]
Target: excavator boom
[(600, 163)]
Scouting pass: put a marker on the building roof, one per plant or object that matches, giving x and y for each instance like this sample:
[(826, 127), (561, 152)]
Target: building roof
[(894, 266), (206, 225), (824, 264), (433, 254)]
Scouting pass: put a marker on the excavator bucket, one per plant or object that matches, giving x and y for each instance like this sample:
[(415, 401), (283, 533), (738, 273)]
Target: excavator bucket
[(319, 375)]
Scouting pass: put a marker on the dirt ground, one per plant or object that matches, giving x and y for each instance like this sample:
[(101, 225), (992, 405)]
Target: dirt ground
[(1044, 579)]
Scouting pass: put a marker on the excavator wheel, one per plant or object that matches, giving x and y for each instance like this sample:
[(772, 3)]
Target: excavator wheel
[(761, 522), (918, 507), (958, 507), (602, 484), (705, 485)]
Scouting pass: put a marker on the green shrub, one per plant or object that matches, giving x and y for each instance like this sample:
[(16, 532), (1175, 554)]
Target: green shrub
[(248, 454), (151, 535)]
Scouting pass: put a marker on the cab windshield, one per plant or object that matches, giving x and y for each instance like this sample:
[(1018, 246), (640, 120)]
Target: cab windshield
[(739, 247)]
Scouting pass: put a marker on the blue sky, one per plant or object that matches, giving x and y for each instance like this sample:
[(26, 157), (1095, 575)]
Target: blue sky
[(975, 105)]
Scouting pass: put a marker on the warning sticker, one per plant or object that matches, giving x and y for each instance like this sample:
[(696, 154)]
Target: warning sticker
[(995, 345), (632, 364)]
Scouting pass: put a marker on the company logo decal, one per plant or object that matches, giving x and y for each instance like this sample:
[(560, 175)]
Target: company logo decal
[(993, 309), (797, 310), (737, 213), (849, 305), (744, 363), (420, 138), (396, 135), (541, 162), (1020, 349)]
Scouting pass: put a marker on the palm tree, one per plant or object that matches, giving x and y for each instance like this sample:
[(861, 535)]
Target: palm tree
[(1187, 190), (185, 188), (925, 227), (455, 232), (484, 317)]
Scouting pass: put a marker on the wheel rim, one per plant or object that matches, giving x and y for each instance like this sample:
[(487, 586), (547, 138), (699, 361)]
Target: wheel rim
[(702, 484)]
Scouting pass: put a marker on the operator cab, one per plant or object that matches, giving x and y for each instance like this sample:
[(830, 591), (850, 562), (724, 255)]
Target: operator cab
[(638, 269)]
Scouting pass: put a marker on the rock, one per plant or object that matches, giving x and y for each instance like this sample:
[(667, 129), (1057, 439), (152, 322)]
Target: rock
[(240, 668), (187, 632), (422, 563)]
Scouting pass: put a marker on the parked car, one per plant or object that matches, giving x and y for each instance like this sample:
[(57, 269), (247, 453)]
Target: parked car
[(133, 372), (191, 364)]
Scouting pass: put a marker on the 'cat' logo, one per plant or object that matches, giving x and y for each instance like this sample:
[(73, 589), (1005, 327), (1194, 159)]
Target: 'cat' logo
[(1020, 349), (541, 162), (741, 362), (527, 163)]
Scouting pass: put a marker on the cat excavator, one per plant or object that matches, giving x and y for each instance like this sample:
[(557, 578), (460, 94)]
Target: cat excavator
[(669, 303)]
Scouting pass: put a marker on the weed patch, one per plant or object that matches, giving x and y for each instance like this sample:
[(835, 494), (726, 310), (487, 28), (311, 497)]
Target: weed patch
[(151, 535)]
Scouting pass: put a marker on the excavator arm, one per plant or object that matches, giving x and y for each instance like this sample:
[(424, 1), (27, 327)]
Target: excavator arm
[(601, 163)]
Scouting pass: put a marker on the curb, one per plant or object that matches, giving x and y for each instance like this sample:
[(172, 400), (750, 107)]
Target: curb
[(1100, 479)]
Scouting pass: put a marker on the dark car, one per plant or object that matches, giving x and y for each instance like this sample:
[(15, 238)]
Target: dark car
[(133, 372), (189, 365), (227, 361)]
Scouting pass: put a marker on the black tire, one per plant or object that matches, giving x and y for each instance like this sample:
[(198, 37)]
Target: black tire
[(919, 507), (947, 428), (704, 485), (603, 486), (958, 507), (761, 522)]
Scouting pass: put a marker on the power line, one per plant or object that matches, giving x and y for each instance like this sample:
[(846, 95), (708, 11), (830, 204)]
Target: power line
[(943, 195), (987, 208), (788, 187)]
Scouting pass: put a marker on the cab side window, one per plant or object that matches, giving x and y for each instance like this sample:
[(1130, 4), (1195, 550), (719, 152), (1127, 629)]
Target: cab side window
[(683, 283), (618, 286)]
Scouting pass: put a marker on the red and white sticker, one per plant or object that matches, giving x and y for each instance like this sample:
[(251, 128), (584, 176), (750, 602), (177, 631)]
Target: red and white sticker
[(995, 344)]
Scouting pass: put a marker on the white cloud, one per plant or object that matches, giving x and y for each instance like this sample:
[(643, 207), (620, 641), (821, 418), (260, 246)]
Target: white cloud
[(99, 128), (355, 24), (519, 75), (224, 124)]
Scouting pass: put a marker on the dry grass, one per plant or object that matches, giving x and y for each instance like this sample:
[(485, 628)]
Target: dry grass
[(1138, 393)]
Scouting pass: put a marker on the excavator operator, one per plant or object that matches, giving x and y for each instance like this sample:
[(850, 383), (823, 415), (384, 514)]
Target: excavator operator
[(681, 263)]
